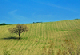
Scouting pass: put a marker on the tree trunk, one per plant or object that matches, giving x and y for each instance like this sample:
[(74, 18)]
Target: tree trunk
[(19, 35)]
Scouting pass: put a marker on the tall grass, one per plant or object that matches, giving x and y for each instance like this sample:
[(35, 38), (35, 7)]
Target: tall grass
[(50, 38), (71, 50)]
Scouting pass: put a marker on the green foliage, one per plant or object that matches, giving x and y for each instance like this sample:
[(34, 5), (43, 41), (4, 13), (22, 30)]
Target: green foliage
[(19, 27)]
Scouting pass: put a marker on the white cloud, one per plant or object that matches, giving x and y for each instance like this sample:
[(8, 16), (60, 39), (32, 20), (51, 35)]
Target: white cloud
[(12, 12), (15, 16), (6, 0), (54, 5), (2, 21)]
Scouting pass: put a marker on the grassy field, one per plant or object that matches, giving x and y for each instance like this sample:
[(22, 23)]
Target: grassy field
[(49, 38)]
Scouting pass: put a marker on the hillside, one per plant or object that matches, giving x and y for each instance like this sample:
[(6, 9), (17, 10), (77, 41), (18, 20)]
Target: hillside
[(42, 38)]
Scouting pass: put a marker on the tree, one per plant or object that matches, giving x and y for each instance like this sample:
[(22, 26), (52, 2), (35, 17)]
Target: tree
[(19, 29)]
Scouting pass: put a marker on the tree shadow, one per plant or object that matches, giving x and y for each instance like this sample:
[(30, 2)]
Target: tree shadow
[(11, 37), (14, 38)]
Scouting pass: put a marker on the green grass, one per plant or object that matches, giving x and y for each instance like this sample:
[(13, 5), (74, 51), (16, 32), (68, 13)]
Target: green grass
[(49, 38)]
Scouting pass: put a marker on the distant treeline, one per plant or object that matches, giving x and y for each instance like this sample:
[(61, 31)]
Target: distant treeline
[(2, 24), (37, 22), (5, 24), (77, 19)]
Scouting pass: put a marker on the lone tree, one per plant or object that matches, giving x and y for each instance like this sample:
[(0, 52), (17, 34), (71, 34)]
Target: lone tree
[(19, 29)]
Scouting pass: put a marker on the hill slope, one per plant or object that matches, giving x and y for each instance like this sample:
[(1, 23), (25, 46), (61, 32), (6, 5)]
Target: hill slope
[(61, 34)]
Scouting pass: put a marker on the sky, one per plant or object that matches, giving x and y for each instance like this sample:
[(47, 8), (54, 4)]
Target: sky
[(29, 11)]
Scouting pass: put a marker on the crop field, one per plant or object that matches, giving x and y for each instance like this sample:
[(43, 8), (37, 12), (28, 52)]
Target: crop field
[(49, 38)]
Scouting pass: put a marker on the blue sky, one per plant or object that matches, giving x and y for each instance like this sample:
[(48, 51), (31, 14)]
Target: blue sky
[(29, 11)]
